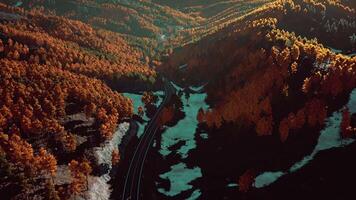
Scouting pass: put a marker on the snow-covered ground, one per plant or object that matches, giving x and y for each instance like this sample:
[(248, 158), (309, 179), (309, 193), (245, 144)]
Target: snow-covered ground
[(329, 138), (180, 175), (98, 187), (185, 129), (103, 154)]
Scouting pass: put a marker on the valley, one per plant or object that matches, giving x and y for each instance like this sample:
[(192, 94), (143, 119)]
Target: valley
[(153, 99)]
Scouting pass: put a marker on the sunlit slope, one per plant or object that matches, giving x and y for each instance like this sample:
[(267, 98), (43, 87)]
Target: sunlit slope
[(144, 24), (215, 17), (207, 8), (73, 45), (283, 13), (138, 18), (54, 106), (152, 26)]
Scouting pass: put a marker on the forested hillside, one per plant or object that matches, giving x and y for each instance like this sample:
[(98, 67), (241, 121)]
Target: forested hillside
[(277, 72), (210, 8), (144, 24), (155, 27), (268, 39), (54, 103)]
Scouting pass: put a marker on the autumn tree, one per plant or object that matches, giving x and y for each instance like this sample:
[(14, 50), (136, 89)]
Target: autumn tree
[(79, 173), (284, 130), (166, 115), (264, 126), (90, 109), (200, 115), (67, 141), (316, 112), (46, 162), (148, 98), (246, 180)]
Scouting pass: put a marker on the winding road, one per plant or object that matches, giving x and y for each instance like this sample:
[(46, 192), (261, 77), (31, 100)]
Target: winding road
[(133, 177)]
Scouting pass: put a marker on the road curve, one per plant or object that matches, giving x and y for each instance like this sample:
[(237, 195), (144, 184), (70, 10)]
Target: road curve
[(133, 177)]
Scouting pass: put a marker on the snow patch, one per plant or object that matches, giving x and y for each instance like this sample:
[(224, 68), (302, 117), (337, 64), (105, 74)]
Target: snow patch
[(267, 178), (103, 153), (99, 188), (179, 177)]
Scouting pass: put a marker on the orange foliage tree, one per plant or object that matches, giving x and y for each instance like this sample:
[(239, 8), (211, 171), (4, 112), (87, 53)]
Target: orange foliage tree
[(79, 172), (148, 98), (166, 115), (246, 180)]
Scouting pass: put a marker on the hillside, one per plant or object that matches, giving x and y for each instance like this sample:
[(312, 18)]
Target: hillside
[(209, 8), (267, 76), (262, 48), (144, 24), (154, 27), (215, 15), (55, 106)]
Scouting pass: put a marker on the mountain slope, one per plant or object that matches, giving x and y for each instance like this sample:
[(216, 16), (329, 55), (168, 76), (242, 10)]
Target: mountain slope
[(259, 58), (144, 24), (269, 82), (152, 26), (55, 106)]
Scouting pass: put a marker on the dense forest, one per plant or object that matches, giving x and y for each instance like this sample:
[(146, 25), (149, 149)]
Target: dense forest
[(53, 74)]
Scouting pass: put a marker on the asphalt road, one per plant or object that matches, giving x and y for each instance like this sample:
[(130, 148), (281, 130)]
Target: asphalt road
[(133, 177)]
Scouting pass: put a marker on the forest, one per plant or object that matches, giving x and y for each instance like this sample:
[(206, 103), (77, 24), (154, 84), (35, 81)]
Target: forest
[(53, 73)]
